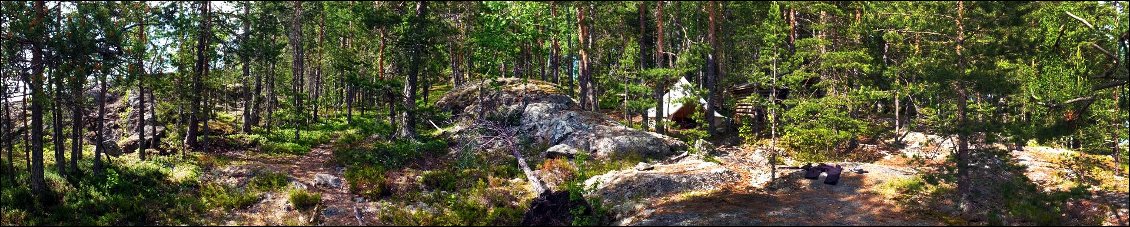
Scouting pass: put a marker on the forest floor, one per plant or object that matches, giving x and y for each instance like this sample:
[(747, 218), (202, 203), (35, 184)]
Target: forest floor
[(337, 205), (1036, 185), (788, 200)]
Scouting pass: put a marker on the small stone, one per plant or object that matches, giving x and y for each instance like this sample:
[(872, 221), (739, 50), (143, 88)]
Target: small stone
[(329, 211), (703, 147), (561, 150), (327, 180), (298, 185), (643, 166)]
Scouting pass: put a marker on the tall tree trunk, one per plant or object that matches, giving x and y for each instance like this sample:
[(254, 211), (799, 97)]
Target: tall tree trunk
[(57, 116), (77, 111), (408, 129), (153, 121), (297, 67), (272, 100), (792, 31), (9, 170), (191, 139), (6, 125), (583, 71), (660, 83), (711, 72), (141, 85), (57, 124), (641, 8), (248, 104), (317, 85), (963, 181), (100, 134), (556, 58), (594, 104), (38, 98)]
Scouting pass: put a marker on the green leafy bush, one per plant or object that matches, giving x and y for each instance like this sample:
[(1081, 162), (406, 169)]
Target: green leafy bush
[(366, 180), (217, 195), (814, 129), (302, 199), (269, 180)]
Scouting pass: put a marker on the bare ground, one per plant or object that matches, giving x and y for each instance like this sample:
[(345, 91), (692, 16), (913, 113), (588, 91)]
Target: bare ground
[(338, 206)]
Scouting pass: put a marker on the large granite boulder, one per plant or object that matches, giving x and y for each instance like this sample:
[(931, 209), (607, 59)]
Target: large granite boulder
[(130, 144), (540, 111), (623, 190)]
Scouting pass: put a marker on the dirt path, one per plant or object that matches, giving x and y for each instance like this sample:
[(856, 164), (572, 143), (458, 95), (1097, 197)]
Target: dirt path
[(338, 206), (791, 200)]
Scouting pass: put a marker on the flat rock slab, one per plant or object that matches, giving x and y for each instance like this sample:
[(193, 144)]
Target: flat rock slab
[(623, 189)]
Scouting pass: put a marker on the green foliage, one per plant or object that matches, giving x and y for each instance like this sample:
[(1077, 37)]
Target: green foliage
[(303, 199), (128, 192), (367, 180), (268, 181), (815, 130), (593, 214), (218, 195), (389, 154)]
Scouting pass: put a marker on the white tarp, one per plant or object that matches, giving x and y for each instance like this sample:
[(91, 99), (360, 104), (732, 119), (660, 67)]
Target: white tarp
[(677, 92)]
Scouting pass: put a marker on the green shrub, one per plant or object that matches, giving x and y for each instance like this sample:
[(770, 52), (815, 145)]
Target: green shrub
[(814, 129), (269, 180), (216, 195), (440, 180), (369, 181), (284, 148), (302, 199)]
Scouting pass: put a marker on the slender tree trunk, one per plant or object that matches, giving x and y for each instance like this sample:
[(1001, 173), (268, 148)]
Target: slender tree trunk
[(318, 71), (594, 104), (7, 131), (792, 31), (427, 84), (141, 86), (57, 124), (642, 10), (77, 111), (191, 139), (24, 117), (408, 129), (6, 125), (248, 104), (583, 71), (272, 100), (100, 134), (555, 58), (153, 121), (661, 82), (38, 98), (1114, 135), (963, 181), (297, 69), (9, 170), (711, 72)]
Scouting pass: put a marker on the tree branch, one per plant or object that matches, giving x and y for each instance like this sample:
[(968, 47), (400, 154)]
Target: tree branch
[(1080, 19), (912, 32)]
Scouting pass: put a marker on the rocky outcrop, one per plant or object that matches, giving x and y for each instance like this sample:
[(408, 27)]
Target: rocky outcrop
[(624, 189), (540, 111), (326, 180), (131, 143)]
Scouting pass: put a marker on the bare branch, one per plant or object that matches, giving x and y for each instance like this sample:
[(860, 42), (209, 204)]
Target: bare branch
[(909, 31), (1080, 20), (1108, 54), (1111, 84)]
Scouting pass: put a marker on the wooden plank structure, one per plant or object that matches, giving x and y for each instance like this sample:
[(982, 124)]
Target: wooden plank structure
[(748, 112)]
